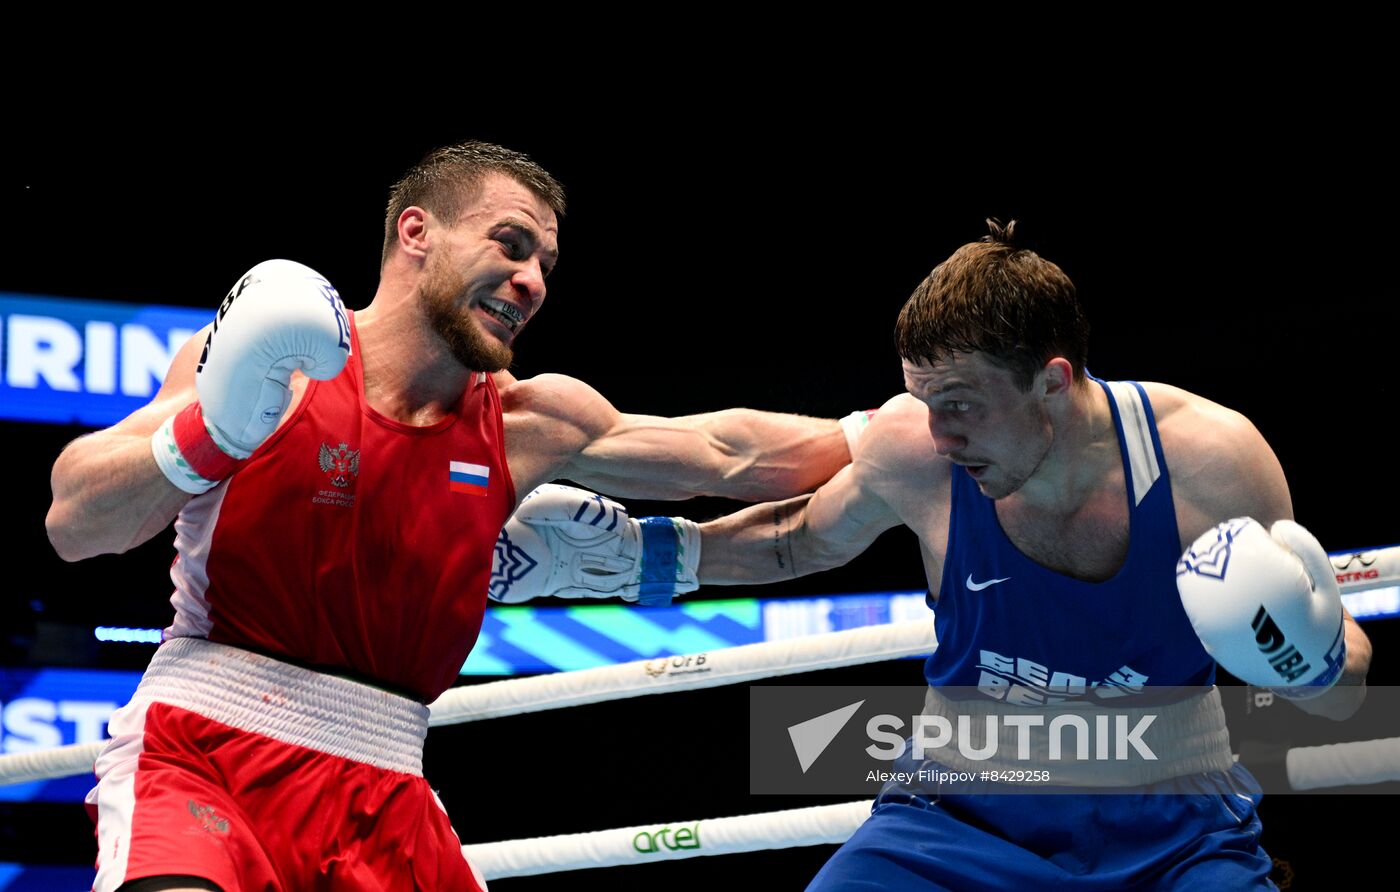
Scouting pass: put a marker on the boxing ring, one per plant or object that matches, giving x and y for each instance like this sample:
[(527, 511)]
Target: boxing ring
[(1308, 768)]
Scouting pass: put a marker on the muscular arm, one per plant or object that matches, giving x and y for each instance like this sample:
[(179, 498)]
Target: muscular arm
[(782, 540), (560, 427), (736, 453), (108, 494), (1221, 468)]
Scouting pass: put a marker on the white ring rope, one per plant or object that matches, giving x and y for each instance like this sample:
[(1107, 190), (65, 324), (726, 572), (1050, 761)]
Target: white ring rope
[(62, 761), (1309, 768), (730, 665), (1343, 764), (1358, 571), (820, 825)]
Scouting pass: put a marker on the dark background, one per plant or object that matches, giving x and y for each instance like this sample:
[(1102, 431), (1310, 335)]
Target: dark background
[(743, 248)]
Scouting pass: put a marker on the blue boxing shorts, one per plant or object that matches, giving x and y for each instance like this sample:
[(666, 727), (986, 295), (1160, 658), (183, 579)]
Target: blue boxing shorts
[(1194, 832)]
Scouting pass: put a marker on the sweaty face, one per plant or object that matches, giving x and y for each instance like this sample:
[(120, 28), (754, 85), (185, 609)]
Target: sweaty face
[(483, 277), (981, 420)]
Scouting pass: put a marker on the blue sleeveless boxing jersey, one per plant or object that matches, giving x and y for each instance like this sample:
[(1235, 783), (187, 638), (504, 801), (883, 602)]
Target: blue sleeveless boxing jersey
[(1028, 635)]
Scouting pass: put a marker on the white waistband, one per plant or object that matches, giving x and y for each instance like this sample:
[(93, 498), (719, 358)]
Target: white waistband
[(299, 706), (1188, 737)]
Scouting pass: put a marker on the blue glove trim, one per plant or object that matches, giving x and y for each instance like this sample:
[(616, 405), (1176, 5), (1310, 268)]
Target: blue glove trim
[(1336, 663), (659, 546)]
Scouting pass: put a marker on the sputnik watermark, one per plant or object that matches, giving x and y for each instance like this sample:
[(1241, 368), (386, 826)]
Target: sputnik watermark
[(826, 740), (1099, 738), (939, 777), (935, 732)]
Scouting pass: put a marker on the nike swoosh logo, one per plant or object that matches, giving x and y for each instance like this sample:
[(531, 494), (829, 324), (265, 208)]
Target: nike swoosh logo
[(978, 586)]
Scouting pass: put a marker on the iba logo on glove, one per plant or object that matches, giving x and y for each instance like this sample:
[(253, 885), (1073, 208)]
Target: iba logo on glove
[(1283, 656)]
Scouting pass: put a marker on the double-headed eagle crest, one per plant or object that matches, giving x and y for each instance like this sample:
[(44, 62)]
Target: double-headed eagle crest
[(340, 464)]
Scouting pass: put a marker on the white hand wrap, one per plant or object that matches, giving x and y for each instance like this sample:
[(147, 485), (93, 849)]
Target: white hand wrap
[(280, 317), (853, 425), (1266, 605), (571, 543)]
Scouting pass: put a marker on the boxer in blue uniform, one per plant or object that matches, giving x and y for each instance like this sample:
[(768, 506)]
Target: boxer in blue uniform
[(1052, 534), (1050, 528), (1018, 631)]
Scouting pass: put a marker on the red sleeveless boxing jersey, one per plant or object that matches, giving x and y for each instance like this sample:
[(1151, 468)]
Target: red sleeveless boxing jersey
[(350, 541)]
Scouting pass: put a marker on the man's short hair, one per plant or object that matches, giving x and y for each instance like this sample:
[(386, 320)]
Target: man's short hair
[(447, 179), (991, 297)]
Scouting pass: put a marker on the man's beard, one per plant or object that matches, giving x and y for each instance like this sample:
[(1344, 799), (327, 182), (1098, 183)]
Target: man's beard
[(1017, 479), (464, 338)]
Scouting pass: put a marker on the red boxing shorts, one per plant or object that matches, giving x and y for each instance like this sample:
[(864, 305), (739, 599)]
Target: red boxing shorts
[(258, 775)]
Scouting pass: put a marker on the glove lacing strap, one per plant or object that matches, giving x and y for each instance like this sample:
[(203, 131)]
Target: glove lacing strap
[(660, 564)]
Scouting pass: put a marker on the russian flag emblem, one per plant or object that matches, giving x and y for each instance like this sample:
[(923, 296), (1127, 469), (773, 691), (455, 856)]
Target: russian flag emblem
[(470, 479)]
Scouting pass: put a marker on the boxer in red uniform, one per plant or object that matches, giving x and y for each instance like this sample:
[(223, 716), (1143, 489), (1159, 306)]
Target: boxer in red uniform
[(337, 484)]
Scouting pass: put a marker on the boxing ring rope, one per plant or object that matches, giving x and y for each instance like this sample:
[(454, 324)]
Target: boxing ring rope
[(1309, 768), (725, 666), (731, 665), (820, 825), (1343, 764), (1365, 762)]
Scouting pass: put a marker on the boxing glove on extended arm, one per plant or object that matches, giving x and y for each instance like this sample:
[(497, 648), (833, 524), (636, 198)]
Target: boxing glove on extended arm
[(572, 543)]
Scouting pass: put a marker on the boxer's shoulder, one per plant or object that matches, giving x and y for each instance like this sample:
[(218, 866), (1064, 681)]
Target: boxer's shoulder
[(548, 420), (898, 440), (1196, 429), (1221, 466), (898, 462), (552, 396)]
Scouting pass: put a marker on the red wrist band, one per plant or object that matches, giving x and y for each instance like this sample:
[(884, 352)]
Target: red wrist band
[(192, 438)]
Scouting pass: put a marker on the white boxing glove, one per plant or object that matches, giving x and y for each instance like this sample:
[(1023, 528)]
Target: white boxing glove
[(571, 543), (1266, 605), (281, 317)]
